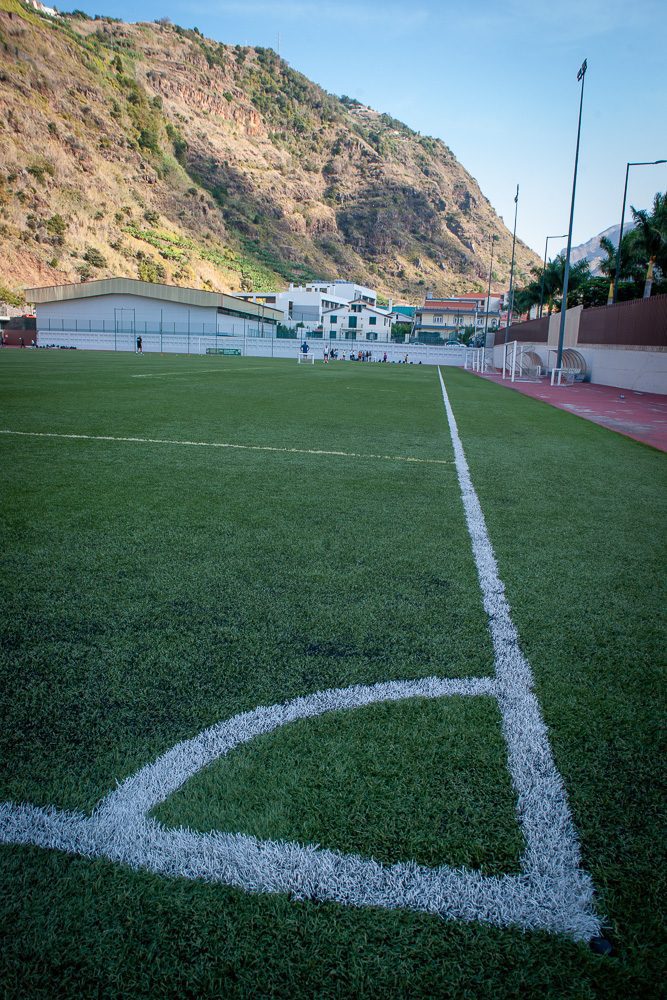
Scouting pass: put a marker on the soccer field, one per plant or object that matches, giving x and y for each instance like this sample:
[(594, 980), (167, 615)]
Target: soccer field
[(187, 539)]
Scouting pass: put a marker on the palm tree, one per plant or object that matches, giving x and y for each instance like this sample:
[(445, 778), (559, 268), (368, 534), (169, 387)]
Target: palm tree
[(651, 236), (628, 261)]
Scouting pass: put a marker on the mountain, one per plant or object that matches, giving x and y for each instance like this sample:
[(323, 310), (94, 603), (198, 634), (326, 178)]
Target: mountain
[(150, 151), (591, 250)]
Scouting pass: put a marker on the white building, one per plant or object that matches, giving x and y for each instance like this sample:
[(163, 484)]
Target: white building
[(306, 305), (446, 318), (110, 313), (357, 321), (347, 290), (303, 306)]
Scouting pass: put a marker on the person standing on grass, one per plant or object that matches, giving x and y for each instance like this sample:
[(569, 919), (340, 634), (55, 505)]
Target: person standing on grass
[(140, 349)]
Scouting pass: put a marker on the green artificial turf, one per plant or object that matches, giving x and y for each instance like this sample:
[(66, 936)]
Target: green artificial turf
[(150, 590), (419, 779)]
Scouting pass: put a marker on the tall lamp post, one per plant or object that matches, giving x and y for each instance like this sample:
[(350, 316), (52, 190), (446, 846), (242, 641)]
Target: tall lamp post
[(563, 309), (638, 163), (544, 268), (509, 302), (494, 239)]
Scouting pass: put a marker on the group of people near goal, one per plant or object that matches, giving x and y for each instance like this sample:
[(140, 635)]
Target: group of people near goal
[(333, 354)]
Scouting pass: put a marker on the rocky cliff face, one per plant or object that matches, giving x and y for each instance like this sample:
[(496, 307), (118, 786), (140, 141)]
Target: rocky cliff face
[(147, 150)]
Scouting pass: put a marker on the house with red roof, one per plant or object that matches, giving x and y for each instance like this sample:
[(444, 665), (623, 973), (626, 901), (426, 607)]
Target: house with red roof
[(447, 318)]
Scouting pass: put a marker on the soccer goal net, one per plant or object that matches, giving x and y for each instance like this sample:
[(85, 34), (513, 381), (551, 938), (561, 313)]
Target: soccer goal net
[(305, 359)]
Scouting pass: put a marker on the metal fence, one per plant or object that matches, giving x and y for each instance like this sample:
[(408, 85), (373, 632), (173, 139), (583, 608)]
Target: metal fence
[(161, 342), (639, 323), (533, 331)]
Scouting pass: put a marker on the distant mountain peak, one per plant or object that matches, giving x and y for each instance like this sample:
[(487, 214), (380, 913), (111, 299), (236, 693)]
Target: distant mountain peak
[(591, 250)]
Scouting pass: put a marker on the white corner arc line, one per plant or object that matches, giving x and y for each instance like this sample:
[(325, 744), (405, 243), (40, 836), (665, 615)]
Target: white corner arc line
[(552, 892), (227, 445)]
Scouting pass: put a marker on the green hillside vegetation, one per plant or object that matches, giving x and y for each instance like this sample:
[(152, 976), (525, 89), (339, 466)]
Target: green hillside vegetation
[(201, 163)]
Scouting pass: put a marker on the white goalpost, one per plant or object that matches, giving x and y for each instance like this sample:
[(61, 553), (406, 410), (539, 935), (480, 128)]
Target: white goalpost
[(521, 363), (477, 360), (305, 359)]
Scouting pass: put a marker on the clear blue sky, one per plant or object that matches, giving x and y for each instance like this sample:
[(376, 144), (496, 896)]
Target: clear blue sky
[(495, 80)]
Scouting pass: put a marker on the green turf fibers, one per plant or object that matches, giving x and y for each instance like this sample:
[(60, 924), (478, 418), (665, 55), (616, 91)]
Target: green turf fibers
[(150, 590)]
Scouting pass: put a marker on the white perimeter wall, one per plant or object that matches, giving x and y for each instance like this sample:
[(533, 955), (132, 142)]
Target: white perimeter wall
[(251, 346), (637, 368), (627, 368)]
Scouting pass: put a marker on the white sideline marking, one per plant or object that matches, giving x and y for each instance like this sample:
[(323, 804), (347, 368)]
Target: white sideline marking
[(226, 444), (551, 893), (552, 857)]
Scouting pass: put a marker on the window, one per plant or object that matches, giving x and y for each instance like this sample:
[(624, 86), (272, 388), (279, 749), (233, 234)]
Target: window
[(373, 321), (352, 322), (437, 319), (333, 319)]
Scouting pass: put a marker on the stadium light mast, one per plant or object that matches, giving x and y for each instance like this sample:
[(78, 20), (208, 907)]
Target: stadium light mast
[(544, 268), (637, 163), (509, 300), (566, 278), (494, 239)]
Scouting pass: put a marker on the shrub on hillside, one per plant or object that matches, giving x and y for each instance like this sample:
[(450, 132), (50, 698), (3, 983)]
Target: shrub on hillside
[(149, 270), (56, 227), (11, 298), (94, 257)]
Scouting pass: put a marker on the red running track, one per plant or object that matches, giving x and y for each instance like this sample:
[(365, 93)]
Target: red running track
[(639, 415)]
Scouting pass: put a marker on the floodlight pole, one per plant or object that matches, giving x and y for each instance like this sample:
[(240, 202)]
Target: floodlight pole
[(637, 163), (544, 268), (488, 294), (509, 302), (566, 278)]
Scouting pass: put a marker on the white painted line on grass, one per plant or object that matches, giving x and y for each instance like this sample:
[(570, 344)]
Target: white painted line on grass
[(551, 893), (552, 857), (228, 445), (183, 373)]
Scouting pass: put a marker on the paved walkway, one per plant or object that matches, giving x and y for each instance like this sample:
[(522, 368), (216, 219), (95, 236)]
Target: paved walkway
[(639, 415)]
